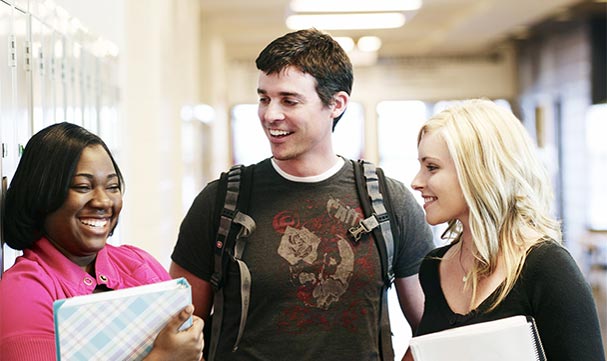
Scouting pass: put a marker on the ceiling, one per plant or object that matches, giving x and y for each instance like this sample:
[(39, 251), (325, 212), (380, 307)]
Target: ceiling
[(439, 27)]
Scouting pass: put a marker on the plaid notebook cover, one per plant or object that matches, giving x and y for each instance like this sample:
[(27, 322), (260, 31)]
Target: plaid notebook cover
[(116, 325)]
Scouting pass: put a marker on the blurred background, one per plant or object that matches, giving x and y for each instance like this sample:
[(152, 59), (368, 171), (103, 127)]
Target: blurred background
[(170, 85)]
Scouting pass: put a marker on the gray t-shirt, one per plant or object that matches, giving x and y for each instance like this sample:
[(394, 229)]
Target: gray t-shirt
[(315, 294)]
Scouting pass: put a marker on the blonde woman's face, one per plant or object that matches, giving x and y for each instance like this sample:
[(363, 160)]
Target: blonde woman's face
[(437, 182)]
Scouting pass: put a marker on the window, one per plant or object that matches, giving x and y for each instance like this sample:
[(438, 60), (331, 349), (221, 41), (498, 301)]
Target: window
[(348, 137), (397, 127), (596, 128), (249, 143)]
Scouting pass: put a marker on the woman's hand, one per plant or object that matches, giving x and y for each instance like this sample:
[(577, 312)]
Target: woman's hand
[(408, 355), (172, 344)]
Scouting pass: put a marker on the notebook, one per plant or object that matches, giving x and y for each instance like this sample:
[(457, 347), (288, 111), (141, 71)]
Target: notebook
[(511, 338), (117, 325)]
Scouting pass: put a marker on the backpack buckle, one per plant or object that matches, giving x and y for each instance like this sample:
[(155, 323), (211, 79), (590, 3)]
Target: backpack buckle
[(216, 280), (364, 226)]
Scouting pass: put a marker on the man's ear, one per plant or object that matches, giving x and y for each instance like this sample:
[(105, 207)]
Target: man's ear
[(340, 103)]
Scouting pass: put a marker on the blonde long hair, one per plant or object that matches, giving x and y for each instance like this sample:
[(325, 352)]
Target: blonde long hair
[(505, 185)]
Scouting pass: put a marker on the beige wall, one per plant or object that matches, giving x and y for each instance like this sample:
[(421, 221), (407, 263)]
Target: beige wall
[(159, 59), (160, 66)]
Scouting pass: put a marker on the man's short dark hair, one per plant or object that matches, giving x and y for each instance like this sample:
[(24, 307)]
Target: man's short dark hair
[(314, 53)]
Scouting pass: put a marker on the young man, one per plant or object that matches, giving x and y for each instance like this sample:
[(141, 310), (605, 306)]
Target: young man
[(315, 294)]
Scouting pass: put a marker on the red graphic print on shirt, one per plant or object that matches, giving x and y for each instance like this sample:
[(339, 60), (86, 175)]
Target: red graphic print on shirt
[(322, 263)]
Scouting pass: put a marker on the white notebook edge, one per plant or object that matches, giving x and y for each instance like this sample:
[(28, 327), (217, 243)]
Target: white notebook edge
[(474, 329), (123, 292)]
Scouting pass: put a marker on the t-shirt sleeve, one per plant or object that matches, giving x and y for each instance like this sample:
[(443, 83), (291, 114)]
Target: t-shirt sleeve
[(563, 306), (26, 327), (416, 238), (194, 248)]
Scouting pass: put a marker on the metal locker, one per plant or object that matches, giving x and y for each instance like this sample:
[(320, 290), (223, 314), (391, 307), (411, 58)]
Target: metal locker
[(57, 78), (89, 117), (5, 130), (15, 88), (37, 73), (70, 90), (50, 72)]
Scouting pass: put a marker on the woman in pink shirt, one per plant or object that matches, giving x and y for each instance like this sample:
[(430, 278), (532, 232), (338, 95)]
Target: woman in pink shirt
[(62, 204)]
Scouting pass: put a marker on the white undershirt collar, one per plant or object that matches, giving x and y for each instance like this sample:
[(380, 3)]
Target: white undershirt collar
[(311, 179)]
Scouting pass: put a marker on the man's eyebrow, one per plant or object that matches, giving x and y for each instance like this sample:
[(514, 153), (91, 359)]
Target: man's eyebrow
[(283, 93)]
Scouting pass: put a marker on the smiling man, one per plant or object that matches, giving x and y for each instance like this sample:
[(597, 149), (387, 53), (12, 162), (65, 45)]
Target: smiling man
[(314, 293)]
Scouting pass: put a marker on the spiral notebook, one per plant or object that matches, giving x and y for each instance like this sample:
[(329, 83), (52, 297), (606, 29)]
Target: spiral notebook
[(511, 338), (117, 325)]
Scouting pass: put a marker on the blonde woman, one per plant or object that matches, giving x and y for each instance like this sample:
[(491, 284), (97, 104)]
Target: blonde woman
[(480, 173)]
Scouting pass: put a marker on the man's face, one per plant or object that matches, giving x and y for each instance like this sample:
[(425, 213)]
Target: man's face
[(293, 117)]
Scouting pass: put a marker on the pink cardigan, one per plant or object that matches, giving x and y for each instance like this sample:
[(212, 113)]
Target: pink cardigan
[(43, 275)]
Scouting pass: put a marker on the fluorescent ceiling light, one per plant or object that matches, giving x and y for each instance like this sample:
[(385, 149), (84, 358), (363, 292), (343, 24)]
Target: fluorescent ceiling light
[(346, 21), (344, 6), (369, 43), (345, 42)]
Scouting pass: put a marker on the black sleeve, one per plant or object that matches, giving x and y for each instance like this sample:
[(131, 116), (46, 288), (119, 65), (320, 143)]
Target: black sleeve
[(415, 236), (194, 248), (563, 306)]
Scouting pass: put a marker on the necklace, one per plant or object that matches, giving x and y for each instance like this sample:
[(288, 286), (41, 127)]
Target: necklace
[(465, 277)]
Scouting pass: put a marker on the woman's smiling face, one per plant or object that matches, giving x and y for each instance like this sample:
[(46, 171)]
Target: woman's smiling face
[(438, 183), (81, 226)]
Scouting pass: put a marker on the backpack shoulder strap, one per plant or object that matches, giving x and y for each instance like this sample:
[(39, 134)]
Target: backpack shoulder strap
[(226, 202), (231, 221), (393, 232), (232, 227), (370, 183)]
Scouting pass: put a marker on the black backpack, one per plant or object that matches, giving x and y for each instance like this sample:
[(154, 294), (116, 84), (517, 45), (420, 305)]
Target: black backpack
[(233, 226)]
